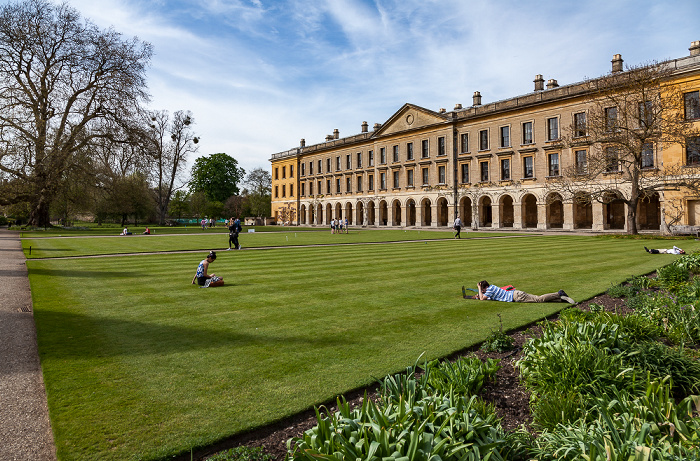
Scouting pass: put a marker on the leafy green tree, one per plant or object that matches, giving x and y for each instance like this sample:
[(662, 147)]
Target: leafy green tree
[(217, 176), (259, 184), (179, 204)]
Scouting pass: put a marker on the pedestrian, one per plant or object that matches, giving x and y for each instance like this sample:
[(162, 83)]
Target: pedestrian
[(457, 227), (233, 230), (494, 293), (346, 225)]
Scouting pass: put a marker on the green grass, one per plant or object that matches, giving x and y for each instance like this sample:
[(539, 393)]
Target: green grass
[(139, 364), (96, 245)]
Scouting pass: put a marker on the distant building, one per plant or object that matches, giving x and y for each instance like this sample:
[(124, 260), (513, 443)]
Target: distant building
[(489, 163)]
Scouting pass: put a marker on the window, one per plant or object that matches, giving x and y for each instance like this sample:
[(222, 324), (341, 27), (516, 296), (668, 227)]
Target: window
[(409, 151), (580, 124), (291, 190), (370, 159), (553, 164), (277, 175), (395, 154), (311, 168), (505, 136), (359, 184), (328, 166), (320, 169), (552, 129), (337, 163), (465, 173), (409, 178), (483, 140), (359, 160), (348, 162), (692, 105), (328, 186), (646, 114), (311, 188), (692, 151), (441, 174), (319, 187), (484, 166), (276, 191), (337, 185), (611, 160), (382, 155), (441, 146), (284, 190), (291, 171), (396, 179), (527, 133), (370, 182), (425, 177), (581, 162), (348, 184), (505, 169), (424, 149), (382, 181), (303, 169), (464, 141), (610, 118), (528, 167), (648, 155), (284, 172)]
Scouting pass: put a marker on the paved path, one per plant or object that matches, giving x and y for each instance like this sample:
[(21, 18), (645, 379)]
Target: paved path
[(25, 431)]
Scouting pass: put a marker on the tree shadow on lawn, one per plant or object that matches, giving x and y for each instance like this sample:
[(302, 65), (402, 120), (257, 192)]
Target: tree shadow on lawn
[(66, 335)]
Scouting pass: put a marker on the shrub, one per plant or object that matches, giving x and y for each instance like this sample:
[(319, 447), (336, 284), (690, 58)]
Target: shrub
[(242, 454), (663, 361), (672, 277), (690, 262), (621, 291), (640, 282), (465, 376)]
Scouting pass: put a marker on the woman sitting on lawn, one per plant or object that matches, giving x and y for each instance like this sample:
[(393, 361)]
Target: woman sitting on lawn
[(201, 276)]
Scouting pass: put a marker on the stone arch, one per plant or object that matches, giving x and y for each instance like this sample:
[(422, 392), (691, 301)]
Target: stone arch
[(338, 211), (360, 214), (396, 212), (348, 212), (649, 211), (506, 211), (583, 211), (329, 213), (555, 211), (442, 212), (302, 214), (426, 218), (485, 211), (465, 211), (529, 210), (410, 212), (613, 210), (319, 214), (371, 214), (383, 213)]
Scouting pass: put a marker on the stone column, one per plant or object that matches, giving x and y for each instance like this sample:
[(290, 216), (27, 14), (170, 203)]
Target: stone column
[(495, 215), (404, 216), (568, 215), (433, 215), (541, 216), (390, 215), (517, 215), (598, 219)]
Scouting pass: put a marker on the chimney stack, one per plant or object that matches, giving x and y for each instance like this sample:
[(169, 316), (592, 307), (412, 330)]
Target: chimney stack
[(539, 82), (377, 126), (617, 63), (329, 137), (364, 127), (302, 143), (336, 134), (458, 106), (695, 48), (477, 98), (552, 83), (442, 110)]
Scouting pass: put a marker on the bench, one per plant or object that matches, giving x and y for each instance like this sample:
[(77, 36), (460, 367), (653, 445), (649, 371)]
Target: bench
[(685, 230)]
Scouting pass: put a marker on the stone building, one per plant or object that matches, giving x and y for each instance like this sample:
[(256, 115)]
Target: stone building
[(491, 163)]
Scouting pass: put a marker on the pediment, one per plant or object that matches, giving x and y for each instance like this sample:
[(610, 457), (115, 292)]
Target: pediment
[(410, 117)]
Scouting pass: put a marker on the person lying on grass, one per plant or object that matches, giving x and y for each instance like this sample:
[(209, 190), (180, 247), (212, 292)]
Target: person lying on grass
[(492, 292), (671, 251), (201, 276)]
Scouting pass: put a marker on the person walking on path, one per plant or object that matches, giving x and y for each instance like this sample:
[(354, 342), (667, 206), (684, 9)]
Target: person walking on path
[(458, 227), (25, 430), (233, 230)]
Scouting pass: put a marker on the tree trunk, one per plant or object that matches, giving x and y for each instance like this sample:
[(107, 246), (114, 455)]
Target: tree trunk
[(632, 215), (39, 216)]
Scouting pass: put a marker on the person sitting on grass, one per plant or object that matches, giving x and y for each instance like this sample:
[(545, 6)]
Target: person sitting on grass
[(670, 251), (202, 278), (147, 231), (125, 232), (494, 293)]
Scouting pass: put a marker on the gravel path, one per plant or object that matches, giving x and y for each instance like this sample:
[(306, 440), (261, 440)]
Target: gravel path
[(25, 431)]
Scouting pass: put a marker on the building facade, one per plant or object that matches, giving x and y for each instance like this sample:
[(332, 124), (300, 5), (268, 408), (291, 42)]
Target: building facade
[(491, 164)]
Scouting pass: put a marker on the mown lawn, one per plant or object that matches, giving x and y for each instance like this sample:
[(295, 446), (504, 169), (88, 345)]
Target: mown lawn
[(139, 364)]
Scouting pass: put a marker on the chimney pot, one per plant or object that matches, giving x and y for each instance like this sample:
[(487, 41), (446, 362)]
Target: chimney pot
[(458, 106), (377, 126), (336, 134), (539, 82), (329, 137), (302, 143), (442, 110), (477, 98), (695, 48), (552, 83), (364, 127), (617, 63)]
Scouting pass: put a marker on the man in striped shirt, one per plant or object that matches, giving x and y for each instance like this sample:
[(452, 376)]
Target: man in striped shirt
[(494, 293)]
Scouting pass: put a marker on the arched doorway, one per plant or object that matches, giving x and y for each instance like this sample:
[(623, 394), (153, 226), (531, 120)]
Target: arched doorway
[(396, 211), (383, 213), (329, 213), (302, 214), (649, 211), (338, 211), (507, 213), (529, 206), (371, 218), (348, 212), (410, 213), (442, 212), (583, 211), (485, 212), (465, 211), (614, 209), (426, 218), (555, 212), (360, 210), (319, 215)]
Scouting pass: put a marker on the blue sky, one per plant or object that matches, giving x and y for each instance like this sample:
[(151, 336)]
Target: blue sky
[(260, 75)]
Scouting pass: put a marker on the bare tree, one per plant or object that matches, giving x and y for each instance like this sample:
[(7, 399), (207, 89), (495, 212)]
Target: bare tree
[(59, 76), (632, 116), (259, 184)]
